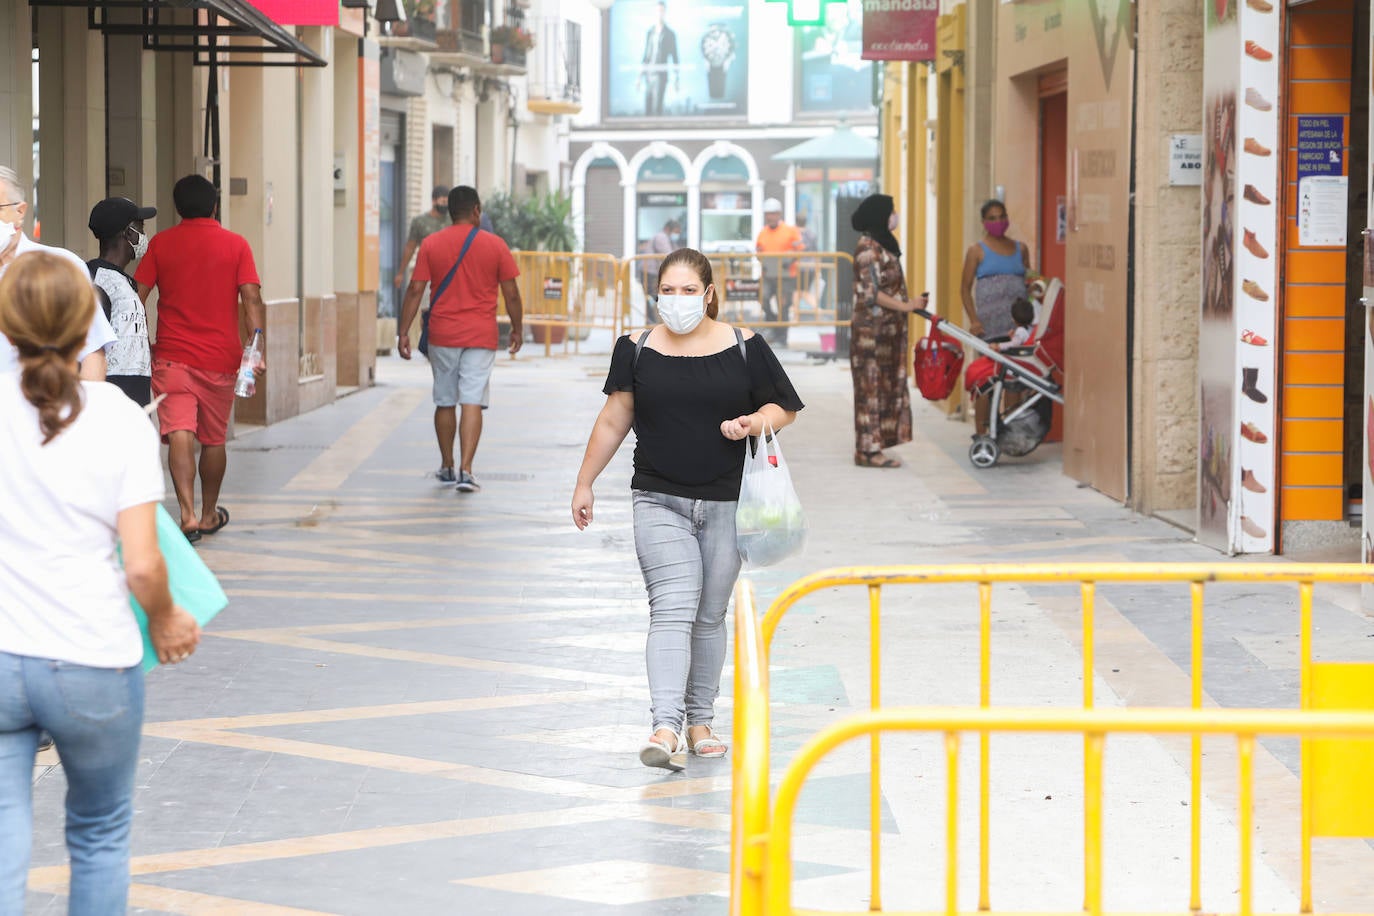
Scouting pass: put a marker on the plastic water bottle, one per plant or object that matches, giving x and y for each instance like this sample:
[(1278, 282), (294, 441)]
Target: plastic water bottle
[(247, 383)]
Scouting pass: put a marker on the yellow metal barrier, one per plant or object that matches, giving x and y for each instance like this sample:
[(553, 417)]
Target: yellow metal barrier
[(567, 296), (1336, 765), (805, 289), (1095, 725), (749, 766)]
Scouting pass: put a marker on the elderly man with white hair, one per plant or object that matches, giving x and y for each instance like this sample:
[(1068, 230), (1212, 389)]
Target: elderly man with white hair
[(13, 243)]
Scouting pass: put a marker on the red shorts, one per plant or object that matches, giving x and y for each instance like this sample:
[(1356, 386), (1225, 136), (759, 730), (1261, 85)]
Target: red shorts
[(197, 401)]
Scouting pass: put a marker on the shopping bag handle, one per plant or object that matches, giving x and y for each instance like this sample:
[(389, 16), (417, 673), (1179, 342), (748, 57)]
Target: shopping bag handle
[(767, 437)]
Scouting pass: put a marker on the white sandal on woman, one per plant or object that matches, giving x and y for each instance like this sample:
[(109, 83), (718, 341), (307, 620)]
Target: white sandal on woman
[(710, 746), (654, 753)]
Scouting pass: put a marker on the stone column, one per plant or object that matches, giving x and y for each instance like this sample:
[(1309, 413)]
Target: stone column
[(1167, 255), (72, 128), (16, 88)]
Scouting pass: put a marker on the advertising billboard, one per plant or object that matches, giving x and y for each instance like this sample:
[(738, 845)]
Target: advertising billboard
[(832, 72), (677, 59), (1237, 432)]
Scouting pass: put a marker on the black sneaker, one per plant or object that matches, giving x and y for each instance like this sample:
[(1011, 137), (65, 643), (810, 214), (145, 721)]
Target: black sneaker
[(467, 483), (445, 476)]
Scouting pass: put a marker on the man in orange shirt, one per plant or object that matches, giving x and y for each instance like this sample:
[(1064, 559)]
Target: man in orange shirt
[(779, 274)]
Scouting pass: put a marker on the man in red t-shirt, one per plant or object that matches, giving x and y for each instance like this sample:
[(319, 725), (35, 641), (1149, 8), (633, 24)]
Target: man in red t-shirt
[(463, 335), (202, 273)]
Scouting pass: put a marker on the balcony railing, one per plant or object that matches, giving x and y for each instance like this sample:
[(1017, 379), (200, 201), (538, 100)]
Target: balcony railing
[(461, 41), (555, 67)]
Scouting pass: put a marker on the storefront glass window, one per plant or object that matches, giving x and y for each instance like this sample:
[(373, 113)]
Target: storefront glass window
[(726, 206), (665, 169)]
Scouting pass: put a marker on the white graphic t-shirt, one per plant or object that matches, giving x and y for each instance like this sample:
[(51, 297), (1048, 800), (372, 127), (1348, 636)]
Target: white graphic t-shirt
[(129, 354)]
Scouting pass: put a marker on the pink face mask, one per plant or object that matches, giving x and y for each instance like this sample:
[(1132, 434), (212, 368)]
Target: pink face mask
[(996, 227)]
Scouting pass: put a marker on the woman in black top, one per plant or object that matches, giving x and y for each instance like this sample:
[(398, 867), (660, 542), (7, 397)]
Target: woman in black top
[(693, 389)]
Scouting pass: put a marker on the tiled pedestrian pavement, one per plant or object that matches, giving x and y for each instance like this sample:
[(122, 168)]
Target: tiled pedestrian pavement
[(424, 702)]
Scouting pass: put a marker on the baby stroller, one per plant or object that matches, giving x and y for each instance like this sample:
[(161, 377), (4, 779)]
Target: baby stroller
[(1017, 425)]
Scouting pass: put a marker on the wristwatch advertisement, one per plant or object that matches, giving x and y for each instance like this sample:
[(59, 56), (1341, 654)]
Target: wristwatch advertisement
[(718, 47)]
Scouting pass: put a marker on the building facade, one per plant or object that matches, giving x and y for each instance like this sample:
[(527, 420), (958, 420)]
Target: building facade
[(460, 106), (690, 109), (102, 101), (1197, 174)]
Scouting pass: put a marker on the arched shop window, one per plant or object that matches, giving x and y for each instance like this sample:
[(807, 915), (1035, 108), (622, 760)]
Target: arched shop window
[(661, 197), (664, 170), (726, 206)]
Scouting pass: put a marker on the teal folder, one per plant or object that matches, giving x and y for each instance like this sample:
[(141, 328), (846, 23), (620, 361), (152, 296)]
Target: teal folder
[(193, 586)]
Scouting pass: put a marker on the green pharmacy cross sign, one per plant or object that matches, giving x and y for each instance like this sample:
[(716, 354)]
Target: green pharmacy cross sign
[(806, 12)]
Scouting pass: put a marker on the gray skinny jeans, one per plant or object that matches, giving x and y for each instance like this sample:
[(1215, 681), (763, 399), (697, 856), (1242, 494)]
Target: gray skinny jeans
[(690, 560)]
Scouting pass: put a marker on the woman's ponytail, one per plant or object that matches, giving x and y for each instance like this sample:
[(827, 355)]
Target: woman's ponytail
[(46, 309)]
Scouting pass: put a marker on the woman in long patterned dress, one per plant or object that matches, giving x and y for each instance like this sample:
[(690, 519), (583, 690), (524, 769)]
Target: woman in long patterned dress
[(878, 346)]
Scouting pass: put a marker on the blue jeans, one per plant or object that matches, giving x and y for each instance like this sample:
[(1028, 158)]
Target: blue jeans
[(690, 560), (96, 716)]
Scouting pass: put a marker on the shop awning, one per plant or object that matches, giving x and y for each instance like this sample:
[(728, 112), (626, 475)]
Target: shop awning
[(841, 145), (197, 27)]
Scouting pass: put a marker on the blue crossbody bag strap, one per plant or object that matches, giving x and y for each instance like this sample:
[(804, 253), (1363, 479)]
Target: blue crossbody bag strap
[(452, 271)]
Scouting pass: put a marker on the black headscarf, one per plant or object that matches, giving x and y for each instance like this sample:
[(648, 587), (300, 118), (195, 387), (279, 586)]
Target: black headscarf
[(871, 218)]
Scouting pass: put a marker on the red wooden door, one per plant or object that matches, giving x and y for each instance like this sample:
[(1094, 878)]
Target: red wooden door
[(1054, 171)]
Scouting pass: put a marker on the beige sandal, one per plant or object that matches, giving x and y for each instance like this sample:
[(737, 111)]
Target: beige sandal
[(710, 746), (654, 753)]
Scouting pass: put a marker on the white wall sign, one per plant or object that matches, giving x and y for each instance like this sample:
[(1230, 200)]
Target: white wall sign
[(1185, 159), (1322, 209)]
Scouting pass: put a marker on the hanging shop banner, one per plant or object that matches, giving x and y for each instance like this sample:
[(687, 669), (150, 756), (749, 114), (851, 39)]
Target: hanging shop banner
[(300, 12), (1236, 363), (676, 59), (831, 71), (900, 29)]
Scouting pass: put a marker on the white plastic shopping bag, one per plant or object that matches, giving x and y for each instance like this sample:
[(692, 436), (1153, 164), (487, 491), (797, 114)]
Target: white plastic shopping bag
[(770, 525)]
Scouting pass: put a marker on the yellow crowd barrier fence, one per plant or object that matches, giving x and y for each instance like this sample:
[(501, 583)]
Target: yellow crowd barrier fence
[(1336, 706), (566, 297), (582, 302), (762, 291)]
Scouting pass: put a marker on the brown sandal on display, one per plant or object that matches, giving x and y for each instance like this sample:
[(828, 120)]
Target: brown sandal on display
[(876, 460)]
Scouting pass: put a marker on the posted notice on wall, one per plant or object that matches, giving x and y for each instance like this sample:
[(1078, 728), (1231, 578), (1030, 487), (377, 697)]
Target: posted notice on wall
[(1323, 202), (1185, 159)]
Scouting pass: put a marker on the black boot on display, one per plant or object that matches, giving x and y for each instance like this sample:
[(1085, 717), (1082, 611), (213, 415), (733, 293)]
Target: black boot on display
[(1247, 386)]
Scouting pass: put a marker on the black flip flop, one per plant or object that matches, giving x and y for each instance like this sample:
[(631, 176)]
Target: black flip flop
[(222, 514), (192, 536)]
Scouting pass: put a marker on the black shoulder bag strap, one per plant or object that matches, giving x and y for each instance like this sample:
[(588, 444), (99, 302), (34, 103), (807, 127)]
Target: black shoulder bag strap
[(739, 340), (452, 271), (439, 290)]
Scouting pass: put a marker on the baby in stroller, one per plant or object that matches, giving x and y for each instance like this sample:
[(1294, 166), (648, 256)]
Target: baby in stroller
[(978, 377)]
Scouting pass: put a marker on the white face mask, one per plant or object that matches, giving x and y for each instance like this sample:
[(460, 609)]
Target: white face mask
[(681, 314), (141, 246), (7, 233)]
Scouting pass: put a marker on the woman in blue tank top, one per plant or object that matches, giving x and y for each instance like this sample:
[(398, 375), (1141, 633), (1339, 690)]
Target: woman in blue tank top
[(994, 276)]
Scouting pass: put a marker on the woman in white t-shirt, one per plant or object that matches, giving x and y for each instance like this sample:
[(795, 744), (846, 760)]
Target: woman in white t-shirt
[(79, 471)]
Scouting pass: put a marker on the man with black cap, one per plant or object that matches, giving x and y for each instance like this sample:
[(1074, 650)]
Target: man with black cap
[(117, 224)]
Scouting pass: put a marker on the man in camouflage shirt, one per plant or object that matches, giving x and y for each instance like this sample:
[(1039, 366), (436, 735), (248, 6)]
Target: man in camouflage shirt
[(421, 228)]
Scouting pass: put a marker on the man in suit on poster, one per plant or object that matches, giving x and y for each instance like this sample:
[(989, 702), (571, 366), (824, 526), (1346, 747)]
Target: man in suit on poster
[(660, 46)]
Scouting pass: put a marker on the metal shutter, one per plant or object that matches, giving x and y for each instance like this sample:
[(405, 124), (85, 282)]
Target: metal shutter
[(605, 222)]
